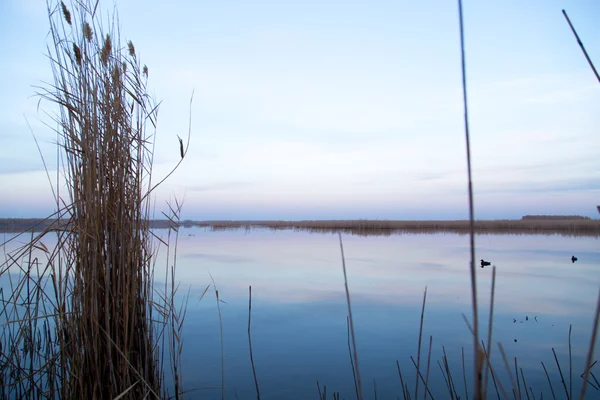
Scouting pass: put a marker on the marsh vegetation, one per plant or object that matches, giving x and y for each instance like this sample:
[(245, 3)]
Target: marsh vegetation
[(87, 311), (83, 319)]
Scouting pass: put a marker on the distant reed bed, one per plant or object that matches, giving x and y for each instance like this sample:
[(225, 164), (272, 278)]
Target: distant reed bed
[(571, 227)]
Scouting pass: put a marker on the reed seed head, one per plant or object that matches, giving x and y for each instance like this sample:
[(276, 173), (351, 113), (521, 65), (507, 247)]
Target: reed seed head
[(131, 48), (106, 50), (77, 53), (145, 70), (66, 12), (116, 73), (87, 31)]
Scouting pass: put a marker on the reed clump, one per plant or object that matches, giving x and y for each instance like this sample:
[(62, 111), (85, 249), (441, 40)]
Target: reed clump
[(88, 313)]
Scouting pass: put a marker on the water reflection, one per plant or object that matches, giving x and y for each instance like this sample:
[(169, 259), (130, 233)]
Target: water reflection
[(299, 312)]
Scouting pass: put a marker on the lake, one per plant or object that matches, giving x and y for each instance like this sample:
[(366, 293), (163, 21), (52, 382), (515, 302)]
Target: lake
[(299, 310), (299, 325)]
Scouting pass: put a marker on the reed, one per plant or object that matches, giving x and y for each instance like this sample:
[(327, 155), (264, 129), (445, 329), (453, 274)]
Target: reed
[(87, 312)]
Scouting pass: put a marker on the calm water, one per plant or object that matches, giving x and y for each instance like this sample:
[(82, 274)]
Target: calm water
[(299, 310), (299, 329)]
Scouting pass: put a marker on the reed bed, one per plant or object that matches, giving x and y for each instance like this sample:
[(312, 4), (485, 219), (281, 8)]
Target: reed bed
[(561, 226), (86, 319), (571, 227)]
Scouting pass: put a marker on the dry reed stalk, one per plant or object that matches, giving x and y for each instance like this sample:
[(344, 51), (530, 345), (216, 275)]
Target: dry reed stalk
[(490, 330), (351, 357), (518, 381), (449, 373), (419, 375), (464, 373), (405, 394), (549, 381), (524, 382), (591, 347), (595, 386), (250, 342), (358, 380), (570, 366), (477, 360), (374, 388), (562, 378), (587, 57), (419, 344), (448, 385), (496, 384), (507, 366), (428, 365), (220, 339)]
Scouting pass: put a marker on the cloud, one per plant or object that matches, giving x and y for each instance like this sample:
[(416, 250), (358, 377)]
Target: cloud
[(542, 186)]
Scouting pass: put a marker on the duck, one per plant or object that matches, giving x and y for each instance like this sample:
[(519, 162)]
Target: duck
[(573, 259), (485, 263)]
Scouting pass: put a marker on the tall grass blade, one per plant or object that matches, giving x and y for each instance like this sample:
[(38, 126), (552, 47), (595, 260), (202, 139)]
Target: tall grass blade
[(581, 45), (250, 341), (549, 381), (351, 358), (490, 330), (428, 366), (507, 366), (358, 380), (464, 373), (405, 393), (419, 343), (420, 376), (591, 348), (562, 378), (476, 359), (570, 366)]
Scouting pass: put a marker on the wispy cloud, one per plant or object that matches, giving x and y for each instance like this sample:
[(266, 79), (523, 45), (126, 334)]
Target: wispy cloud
[(544, 186)]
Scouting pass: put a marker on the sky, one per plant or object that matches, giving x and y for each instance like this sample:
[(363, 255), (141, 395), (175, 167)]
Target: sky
[(336, 109)]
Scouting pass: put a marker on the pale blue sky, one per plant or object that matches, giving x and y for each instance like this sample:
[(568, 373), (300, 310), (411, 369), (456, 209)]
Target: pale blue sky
[(339, 109)]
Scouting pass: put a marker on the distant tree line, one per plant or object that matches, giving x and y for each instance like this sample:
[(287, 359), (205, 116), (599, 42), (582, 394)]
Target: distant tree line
[(554, 217)]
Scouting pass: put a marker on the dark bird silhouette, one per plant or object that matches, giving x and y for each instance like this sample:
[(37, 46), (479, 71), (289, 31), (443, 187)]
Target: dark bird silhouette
[(485, 263), (573, 259)]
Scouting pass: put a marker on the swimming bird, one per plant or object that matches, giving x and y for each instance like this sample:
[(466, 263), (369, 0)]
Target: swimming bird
[(573, 259), (485, 263)]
